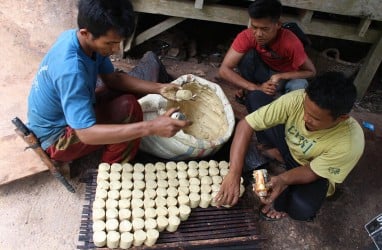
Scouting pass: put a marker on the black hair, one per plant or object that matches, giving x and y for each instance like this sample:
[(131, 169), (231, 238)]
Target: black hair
[(101, 16), (334, 92), (265, 9)]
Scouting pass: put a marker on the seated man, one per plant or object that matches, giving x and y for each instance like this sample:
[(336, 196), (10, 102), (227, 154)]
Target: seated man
[(269, 58), (70, 116), (316, 139)]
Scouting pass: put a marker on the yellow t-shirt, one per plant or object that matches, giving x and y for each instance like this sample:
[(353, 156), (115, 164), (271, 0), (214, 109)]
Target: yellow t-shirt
[(332, 153)]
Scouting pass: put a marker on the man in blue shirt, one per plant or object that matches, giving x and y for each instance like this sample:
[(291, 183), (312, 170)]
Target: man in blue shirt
[(70, 115)]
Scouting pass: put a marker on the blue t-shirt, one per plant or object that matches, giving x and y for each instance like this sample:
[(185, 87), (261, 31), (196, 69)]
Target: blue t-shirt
[(63, 90)]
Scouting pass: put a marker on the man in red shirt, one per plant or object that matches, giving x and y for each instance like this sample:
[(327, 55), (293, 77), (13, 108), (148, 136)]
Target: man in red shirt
[(269, 60)]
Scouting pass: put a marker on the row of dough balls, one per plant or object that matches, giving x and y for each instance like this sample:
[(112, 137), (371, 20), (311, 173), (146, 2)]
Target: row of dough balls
[(122, 218)]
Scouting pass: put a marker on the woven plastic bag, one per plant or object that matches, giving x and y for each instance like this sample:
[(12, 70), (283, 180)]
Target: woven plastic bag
[(184, 146)]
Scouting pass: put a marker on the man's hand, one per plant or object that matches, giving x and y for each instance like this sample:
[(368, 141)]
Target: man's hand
[(165, 126), (269, 87), (229, 190), (169, 90), (276, 186)]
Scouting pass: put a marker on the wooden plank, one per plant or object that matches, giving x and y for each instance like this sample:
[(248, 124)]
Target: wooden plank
[(16, 162), (360, 8), (363, 26), (368, 68), (306, 16), (157, 29), (198, 4)]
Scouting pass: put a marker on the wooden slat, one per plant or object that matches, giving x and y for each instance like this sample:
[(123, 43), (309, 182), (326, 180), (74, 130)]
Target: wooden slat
[(363, 26), (198, 4)]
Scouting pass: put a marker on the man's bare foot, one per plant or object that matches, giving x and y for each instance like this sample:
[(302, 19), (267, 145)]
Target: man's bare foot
[(268, 212)]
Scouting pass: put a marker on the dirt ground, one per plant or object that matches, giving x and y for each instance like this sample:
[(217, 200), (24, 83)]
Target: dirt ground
[(38, 213)]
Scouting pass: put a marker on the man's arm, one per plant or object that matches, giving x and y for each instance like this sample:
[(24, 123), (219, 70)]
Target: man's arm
[(124, 82), (163, 125), (306, 70), (226, 71), (230, 188)]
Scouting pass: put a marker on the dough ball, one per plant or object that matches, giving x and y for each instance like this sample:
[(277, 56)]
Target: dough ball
[(161, 175), (138, 224), (173, 211), (192, 172), (150, 223), (150, 176), (127, 184), (124, 203), (205, 200), (194, 200), (124, 214), (149, 167), (98, 214), (242, 190), (172, 174), (149, 193), (162, 223), (126, 176), (150, 212), (137, 194), (136, 203), (125, 194), (182, 166), (127, 168), (137, 213), (126, 240), (139, 167), (103, 176), (206, 180), (113, 194), (103, 184), (99, 203), (184, 212), (115, 185), (173, 183), (183, 190), (139, 238), (171, 165), (138, 176), (160, 166), (161, 211), (99, 225), (194, 181), (205, 188), (162, 184), (151, 184), (115, 176), (202, 172), (111, 203), (223, 164), (213, 164), (183, 94), (193, 164), (215, 187), (223, 172), (161, 192), (112, 239), (160, 201), (116, 167), (99, 238), (111, 225), (111, 213), (184, 183), (203, 164), (172, 191), (182, 175), (217, 179), (101, 193), (152, 237), (212, 171), (148, 203), (171, 201), (173, 223), (194, 188), (104, 166)]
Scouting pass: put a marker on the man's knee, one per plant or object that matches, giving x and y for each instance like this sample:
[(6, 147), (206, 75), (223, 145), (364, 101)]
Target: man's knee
[(295, 84), (256, 99)]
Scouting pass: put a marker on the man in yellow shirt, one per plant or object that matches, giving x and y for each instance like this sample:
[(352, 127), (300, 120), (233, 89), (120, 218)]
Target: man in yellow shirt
[(318, 142)]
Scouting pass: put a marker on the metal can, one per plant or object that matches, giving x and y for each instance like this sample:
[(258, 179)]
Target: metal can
[(178, 115), (261, 178)]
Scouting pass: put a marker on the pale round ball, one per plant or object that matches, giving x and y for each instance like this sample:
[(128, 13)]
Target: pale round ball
[(171, 165), (137, 194), (151, 184), (162, 184), (124, 203), (115, 176), (160, 166), (127, 167), (111, 213), (98, 225), (125, 226), (98, 203), (116, 167), (99, 238), (111, 203), (99, 214), (113, 194), (126, 176), (136, 203), (137, 213), (125, 193), (124, 214), (104, 166), (173, 183), (111, 225), (101, 193), (139, 167)]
